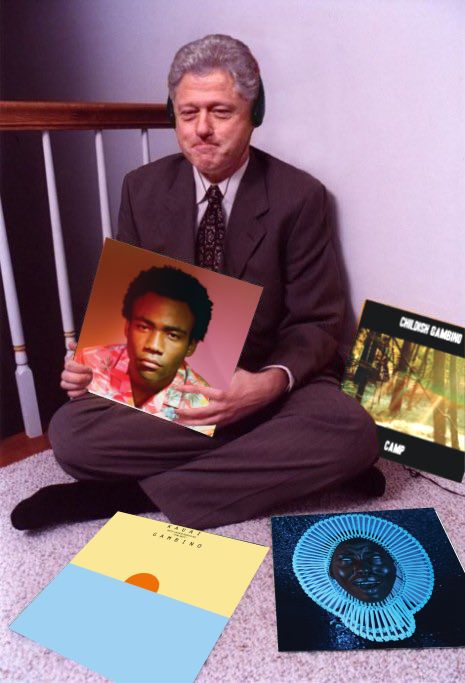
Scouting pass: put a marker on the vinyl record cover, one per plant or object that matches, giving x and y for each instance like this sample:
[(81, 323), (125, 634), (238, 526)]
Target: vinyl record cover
[(154, 324), (408, 372), (384, 579), (143, 600)]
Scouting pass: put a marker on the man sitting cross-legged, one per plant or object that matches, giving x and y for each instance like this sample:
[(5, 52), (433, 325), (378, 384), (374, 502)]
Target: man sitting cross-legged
[(285, 431)]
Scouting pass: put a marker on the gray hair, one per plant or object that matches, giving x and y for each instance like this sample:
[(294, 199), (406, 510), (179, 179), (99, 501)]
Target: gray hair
[(217, 52)]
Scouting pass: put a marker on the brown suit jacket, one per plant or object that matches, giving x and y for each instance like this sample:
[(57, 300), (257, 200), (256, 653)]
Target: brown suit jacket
[(278, 236)]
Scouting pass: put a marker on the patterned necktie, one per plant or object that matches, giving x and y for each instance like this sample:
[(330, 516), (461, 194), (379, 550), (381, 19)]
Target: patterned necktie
[(210, 235)]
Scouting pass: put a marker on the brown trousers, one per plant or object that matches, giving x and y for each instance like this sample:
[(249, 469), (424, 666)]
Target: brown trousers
[(314, 438)]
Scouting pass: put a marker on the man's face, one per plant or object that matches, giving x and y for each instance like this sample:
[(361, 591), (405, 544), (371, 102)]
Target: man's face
[(213, 123), (158, 340), (364, 569)]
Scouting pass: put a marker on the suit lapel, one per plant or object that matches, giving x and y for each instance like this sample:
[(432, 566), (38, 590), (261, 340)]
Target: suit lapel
[(176, 224), (177, 218), (244, 231)]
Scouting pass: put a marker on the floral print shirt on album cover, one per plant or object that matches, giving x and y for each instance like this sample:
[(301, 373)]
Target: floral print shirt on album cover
[(111, 380)]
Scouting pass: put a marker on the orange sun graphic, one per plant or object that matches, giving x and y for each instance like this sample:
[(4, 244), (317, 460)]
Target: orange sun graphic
[(147, 581)]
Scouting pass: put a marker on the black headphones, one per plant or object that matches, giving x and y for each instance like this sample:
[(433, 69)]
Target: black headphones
[(257, 115)]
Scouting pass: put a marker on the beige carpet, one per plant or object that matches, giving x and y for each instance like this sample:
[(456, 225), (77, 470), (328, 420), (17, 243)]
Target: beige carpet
[(247, 650)]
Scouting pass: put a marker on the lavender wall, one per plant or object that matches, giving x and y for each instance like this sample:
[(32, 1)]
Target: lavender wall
[(367, 95)]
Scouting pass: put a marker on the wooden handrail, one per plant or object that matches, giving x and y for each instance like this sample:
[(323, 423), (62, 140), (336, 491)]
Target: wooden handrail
[(81, 115)]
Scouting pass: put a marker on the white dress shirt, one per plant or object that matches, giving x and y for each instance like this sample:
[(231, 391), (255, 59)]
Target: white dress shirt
[(228, 188)]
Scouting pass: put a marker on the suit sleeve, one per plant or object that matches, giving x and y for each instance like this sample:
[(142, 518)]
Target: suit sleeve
[(308, 335), (127, 231)]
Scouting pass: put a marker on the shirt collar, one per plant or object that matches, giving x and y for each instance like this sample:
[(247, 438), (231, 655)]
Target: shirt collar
[(231, 184)]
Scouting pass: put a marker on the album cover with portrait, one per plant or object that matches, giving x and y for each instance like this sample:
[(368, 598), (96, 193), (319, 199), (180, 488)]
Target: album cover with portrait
[(408, 372), (384, 579), (159, 333)]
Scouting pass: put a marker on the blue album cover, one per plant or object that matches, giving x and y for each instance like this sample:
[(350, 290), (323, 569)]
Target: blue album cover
[(387, 579)]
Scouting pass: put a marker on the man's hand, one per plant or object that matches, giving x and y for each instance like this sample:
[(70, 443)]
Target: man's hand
[(248, 392), (75, 377)]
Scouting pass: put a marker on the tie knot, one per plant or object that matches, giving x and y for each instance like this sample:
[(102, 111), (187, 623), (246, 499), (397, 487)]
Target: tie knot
[(214, 195)]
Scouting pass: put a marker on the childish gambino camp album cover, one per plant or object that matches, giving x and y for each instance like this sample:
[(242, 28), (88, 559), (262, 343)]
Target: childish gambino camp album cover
[(159, 333), (384, 579), (144, 600), (408, 372)]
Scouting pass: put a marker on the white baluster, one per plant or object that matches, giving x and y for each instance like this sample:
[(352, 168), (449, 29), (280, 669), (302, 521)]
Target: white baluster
[(58, 247), (23, 373), (102, 186), (145, 145)]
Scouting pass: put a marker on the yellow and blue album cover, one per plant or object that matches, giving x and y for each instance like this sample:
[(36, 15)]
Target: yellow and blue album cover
[(144, 600), (408, 372), (371, 580)]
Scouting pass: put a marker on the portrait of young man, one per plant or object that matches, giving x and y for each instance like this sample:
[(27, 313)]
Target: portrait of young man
[(284, 429), (167, 313)]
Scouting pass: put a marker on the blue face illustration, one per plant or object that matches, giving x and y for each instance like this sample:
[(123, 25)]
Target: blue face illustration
[(364, 569)]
